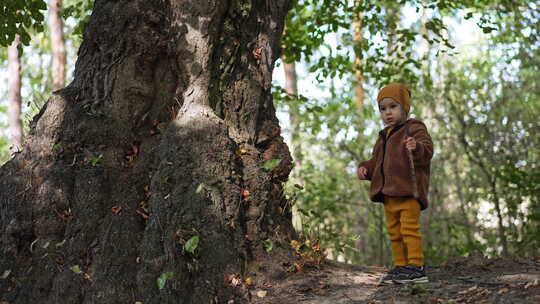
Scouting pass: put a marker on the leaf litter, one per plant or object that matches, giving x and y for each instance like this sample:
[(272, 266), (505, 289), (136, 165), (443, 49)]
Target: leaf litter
[(458, 280)]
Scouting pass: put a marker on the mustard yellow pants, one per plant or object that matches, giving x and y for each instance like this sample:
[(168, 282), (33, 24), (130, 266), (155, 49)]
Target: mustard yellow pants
[(403, 223)]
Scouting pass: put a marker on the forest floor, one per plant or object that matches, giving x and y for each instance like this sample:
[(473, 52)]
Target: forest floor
[(461, 280)]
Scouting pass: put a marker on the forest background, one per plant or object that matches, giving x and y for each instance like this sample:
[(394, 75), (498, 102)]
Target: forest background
[(473, 69)]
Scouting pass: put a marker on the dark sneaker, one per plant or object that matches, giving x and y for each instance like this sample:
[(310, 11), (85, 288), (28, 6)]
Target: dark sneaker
[(388, 278), (411, 274)]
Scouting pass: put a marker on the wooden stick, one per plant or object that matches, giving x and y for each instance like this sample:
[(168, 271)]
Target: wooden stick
[(411, 166)]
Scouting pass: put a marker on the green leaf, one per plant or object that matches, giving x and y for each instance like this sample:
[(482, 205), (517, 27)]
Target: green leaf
[(76, 269), (191, 244), (96, 160), (60, 244), (268, 245), (272, 163), (162, 280), (317, 109)]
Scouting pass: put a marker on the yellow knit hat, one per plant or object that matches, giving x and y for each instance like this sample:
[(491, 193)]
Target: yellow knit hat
[(399, 93)]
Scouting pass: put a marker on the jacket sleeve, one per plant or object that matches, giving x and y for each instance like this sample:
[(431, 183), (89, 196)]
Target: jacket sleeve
[(370, 163), (424, 145)]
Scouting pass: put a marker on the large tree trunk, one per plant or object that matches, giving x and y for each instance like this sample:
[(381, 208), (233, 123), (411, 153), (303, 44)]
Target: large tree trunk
[(161, 136), (15, 134), (56, 28)]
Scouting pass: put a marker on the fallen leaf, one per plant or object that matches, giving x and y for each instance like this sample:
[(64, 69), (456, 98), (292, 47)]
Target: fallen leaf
[(236, 281), (468, 290), (249, 281), (116, 209), (504, 290), (531, 284), (295, 244), (262, 293)]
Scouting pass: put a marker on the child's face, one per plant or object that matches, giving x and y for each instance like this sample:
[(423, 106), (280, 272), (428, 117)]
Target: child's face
[(391, 112)]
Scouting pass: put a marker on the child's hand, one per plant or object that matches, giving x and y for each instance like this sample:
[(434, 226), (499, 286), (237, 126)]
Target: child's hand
[(362, 173), (410, 143)]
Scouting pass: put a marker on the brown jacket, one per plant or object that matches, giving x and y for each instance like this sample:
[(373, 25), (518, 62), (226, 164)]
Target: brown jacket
[(389, 168)]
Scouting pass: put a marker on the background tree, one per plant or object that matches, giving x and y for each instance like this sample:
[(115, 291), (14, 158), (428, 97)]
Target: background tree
[(56, 29), (15, 134)]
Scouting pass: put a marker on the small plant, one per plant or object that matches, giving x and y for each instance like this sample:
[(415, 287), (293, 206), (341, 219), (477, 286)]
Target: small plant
[(271, 163), (162, 280), (268, 245), (192, 244), (310, 252), (96, 160)]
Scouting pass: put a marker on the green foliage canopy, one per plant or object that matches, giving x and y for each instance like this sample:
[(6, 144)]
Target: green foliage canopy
[(19, 17)]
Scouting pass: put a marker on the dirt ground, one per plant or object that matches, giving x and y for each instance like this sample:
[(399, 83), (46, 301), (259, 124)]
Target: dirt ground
[(461, 280)]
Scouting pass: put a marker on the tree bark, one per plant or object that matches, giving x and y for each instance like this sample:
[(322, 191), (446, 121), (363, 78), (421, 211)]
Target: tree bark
[(58, 46), (15, 135), (162, 136)]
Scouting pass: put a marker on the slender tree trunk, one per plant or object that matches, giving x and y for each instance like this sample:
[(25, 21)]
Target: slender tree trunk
[(161, 138), (382, 236), (362, 211), (291, 87), (500, 224), (58, 47), (392, 15), (15, 134), (358, 75), (462, 207)]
